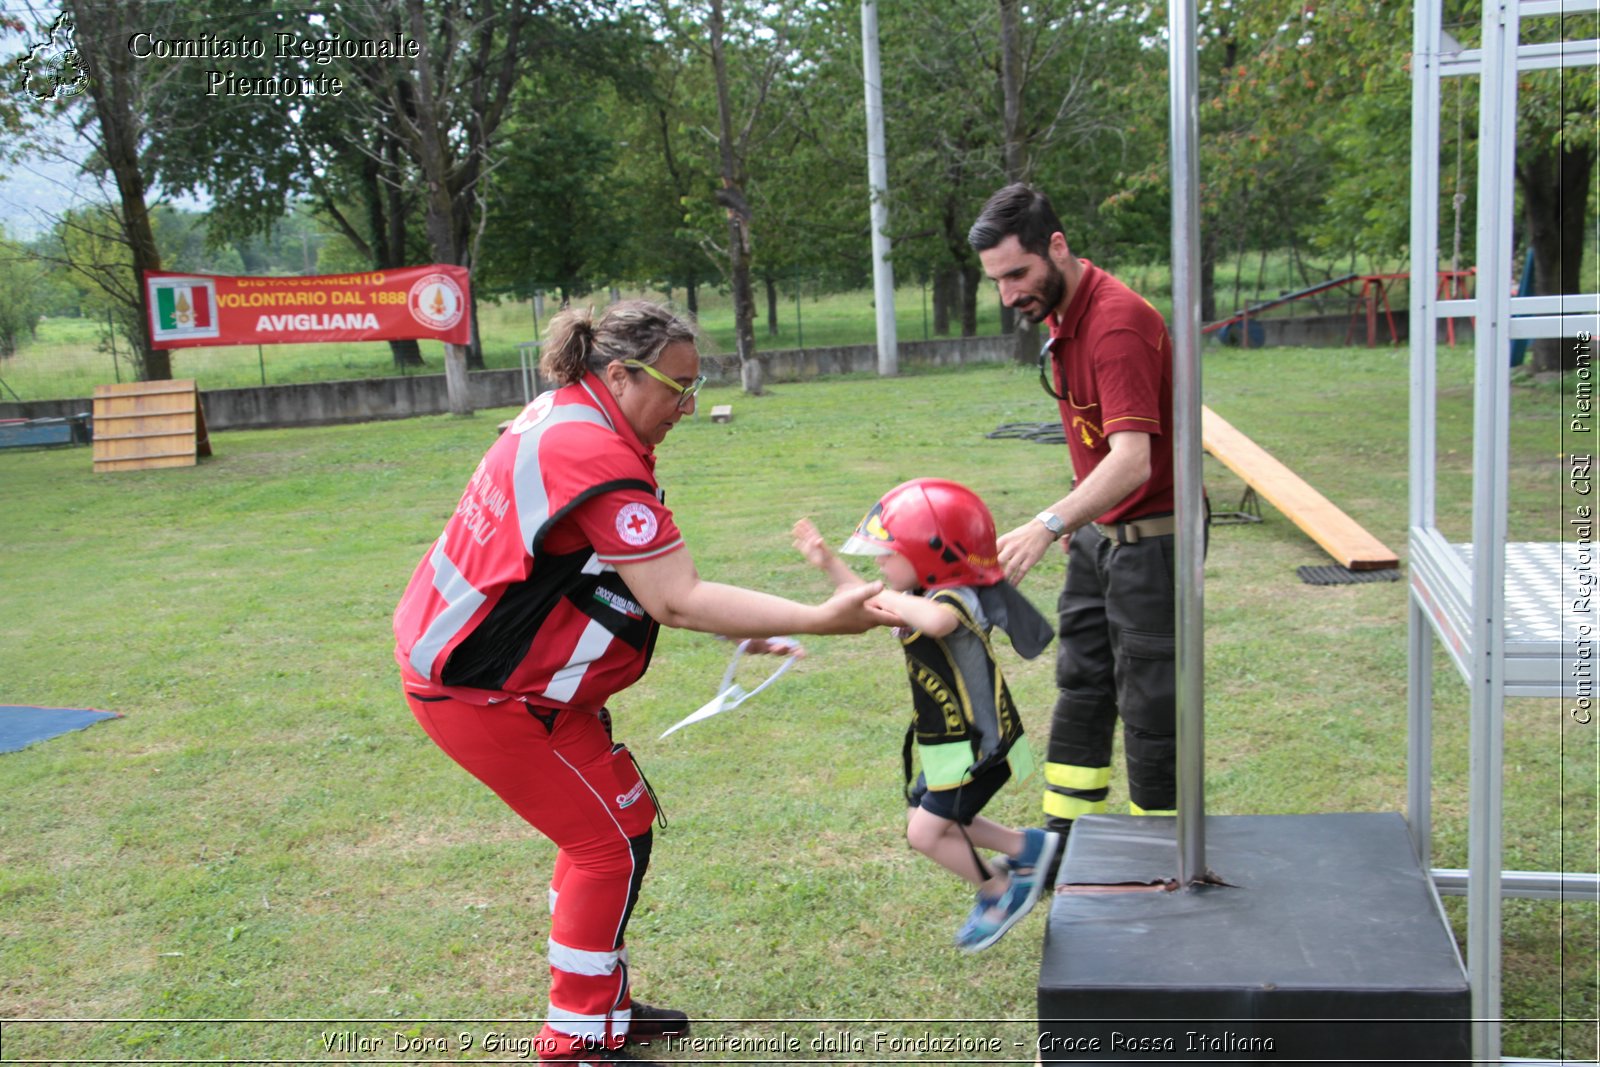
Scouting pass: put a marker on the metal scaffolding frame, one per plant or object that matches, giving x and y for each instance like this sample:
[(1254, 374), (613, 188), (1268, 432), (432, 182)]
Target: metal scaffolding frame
[(1488, 601)]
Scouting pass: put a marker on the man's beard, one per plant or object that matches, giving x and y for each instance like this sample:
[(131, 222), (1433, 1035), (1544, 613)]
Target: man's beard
[(1055, 290)]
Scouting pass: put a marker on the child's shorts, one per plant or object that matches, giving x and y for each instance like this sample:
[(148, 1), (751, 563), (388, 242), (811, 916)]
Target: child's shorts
[(964, 803)]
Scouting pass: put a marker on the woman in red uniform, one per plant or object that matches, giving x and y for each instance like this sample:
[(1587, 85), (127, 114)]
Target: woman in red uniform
[(540, 601)]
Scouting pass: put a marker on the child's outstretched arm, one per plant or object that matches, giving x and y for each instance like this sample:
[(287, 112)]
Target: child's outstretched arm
[(809, 543), (919, 613)]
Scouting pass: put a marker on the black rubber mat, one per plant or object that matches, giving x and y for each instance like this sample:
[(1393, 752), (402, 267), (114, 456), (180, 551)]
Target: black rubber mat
[(1334, 574), (1045, 433)]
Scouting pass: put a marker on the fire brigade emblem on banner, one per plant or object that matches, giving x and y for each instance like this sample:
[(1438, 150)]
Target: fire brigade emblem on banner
[(182, 308), (435, 301)]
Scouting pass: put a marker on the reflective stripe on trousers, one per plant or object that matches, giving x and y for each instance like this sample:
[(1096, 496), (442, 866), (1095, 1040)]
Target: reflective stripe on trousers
[(1116, 660), (562, 773)]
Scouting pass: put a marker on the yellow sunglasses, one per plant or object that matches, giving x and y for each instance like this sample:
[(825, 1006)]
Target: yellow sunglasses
[(685, 393)]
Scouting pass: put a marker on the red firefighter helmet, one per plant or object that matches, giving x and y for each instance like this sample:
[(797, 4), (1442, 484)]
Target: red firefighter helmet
[(940, 526)]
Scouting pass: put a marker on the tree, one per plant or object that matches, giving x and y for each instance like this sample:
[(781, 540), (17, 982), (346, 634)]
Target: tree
[(1555, 166), (444, 110), (415, 140), (1328, 91), (557, 219), (981, 93), (124, 102), (750, 49), (267, 154), (87, 245), (25, 282), (814, 192), (732, 156), (572, 195), (665, 176)]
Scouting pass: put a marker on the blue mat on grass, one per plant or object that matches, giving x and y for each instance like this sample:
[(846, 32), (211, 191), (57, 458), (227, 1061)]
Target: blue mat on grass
[(21, 725)]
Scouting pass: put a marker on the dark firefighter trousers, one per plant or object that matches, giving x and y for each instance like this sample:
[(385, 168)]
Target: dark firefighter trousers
[(1117, 658)]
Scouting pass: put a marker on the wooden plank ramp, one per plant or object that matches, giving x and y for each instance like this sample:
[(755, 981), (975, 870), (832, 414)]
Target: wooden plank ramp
[(1346, 540), (141, 425)]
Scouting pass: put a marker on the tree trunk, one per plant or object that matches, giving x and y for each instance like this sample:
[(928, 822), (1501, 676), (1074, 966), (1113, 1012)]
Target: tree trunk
[(772, 306), (1208, 275), (1025, 342), (432, 156), (1025, 346), (386, 222), (1555, 195), (946, 287), (455, 356), (113, 89), (744, 308), (405, 354), (969, 300), (1011, 91), (477, 337), (691, 297), (250, 255), (731, 197)]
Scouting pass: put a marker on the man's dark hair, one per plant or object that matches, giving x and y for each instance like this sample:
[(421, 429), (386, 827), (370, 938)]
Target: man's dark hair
[(1016, 211)]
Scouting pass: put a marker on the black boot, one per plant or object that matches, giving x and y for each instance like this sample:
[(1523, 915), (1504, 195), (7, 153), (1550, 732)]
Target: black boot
[(1058, 825), (651, 1024), (601, 1058)]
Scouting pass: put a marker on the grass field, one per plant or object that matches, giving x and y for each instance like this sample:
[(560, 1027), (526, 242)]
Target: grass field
[(266, 853)]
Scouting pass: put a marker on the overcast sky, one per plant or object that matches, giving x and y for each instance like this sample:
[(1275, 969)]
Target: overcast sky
[(35, 186)]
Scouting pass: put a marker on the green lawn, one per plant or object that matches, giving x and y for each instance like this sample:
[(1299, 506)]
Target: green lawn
[(266, 837)]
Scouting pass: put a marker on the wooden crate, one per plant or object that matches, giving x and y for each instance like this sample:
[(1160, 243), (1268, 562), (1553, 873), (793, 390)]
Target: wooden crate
[(140, 425)]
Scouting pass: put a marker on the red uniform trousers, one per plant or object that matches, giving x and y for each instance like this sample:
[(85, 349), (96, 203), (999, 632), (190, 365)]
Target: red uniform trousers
[(560, 771)]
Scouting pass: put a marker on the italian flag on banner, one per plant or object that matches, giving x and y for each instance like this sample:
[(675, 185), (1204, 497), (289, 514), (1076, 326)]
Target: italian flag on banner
[(182, 308)]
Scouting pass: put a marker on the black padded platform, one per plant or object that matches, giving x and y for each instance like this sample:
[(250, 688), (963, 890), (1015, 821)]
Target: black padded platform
[(1329, 948)]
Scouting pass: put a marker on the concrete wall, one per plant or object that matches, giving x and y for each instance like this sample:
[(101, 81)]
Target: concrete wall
[(327, 403), (803, 364), (1320, 331)]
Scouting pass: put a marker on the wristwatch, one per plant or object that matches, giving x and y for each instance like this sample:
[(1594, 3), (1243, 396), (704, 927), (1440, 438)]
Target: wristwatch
[(1052, 522)]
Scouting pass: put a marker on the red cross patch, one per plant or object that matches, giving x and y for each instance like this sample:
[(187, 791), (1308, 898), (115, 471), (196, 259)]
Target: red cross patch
[(636, 524)]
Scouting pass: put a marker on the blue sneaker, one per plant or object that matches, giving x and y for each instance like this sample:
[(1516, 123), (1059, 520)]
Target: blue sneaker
[(992, 917)]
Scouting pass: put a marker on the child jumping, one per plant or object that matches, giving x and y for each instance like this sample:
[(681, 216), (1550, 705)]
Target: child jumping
[(934, 541)]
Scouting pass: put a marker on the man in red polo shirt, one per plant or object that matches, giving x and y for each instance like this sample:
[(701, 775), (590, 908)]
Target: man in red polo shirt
[(1110, 368)]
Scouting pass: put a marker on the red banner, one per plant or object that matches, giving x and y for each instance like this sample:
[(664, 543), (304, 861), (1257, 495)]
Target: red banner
[(423, 303)]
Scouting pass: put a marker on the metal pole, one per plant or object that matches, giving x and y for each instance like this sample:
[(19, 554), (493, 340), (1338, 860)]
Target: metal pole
[(878, 182), (799, 329), (1491, 404), (1424, 341), (261, 358), (1188, 493)]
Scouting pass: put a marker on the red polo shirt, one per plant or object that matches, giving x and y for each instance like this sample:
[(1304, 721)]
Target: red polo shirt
[(1112, 360)]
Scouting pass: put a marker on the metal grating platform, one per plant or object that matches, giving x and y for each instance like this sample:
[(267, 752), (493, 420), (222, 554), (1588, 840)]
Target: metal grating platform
[(1545, 609)]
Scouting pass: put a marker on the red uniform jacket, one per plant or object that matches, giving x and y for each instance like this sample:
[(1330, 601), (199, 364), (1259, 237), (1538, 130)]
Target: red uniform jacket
[(517, 599)]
